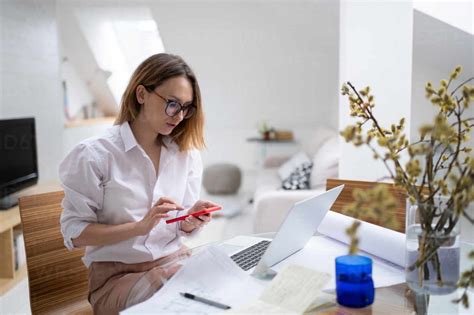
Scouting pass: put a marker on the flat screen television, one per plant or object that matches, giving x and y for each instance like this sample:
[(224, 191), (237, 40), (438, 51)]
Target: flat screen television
[(18, 158)]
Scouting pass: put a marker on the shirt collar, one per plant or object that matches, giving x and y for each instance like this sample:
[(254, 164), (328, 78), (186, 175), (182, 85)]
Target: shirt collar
[(128, 138), (130, 142)]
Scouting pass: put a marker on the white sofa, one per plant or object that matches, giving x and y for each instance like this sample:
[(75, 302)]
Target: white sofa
[(271, 202)]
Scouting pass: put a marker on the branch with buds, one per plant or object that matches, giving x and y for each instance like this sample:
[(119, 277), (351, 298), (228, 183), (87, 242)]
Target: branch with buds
[(440, 164)]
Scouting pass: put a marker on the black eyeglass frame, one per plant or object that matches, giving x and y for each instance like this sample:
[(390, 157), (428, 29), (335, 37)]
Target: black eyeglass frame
[(189, 109)]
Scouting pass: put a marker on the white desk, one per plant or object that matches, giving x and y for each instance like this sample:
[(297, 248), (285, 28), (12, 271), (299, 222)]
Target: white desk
[(319, 254), (397, 298)]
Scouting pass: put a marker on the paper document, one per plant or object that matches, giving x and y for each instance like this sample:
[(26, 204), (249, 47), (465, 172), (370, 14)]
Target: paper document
[(292, 291), (210, 274), (384, 243)]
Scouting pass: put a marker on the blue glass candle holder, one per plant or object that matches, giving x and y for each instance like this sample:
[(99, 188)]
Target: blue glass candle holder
[(354, 284)]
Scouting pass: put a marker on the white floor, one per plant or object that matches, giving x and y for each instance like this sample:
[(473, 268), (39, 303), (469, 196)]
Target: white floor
[(16, 301)]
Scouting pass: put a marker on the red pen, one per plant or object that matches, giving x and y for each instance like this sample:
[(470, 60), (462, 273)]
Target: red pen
[(195, 214)]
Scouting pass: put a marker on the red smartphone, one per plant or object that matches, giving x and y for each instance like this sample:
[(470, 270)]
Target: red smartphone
[(195, 214)]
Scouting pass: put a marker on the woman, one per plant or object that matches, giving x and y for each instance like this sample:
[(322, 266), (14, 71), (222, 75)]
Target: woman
[(119, 187)]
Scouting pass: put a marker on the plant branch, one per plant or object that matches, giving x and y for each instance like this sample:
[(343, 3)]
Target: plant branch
[(422, 259), (454, 159), (383, 160), (407, 185), (442, 164), (461, 85)]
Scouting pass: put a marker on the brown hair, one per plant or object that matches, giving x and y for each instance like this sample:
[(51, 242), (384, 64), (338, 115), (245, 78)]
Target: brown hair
[(151, 73)]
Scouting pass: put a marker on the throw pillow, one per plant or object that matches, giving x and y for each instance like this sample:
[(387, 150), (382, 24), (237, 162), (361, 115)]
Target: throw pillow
[(314, 140), (326, 163), (289, 166), (299, 178)]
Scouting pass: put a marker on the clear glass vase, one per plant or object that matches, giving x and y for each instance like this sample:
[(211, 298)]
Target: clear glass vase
[(432, 230)]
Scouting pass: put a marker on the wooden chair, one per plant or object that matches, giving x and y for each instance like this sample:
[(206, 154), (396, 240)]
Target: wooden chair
[(346, 197), (57, 277)]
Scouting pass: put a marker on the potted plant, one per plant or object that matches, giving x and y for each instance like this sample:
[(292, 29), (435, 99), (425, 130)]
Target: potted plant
[(438, 180), (266, 131)]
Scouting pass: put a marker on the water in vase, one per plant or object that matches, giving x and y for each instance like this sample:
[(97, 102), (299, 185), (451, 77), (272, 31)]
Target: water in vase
[(449, 258)]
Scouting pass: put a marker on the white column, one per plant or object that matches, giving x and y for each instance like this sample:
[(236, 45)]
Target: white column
[(375, 50)]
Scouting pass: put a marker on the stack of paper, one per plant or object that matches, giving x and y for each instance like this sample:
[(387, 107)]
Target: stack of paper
[(210, 274), (293, 291)]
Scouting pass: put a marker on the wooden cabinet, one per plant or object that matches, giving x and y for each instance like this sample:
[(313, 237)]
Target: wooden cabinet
[(9, 277), (10, 225)]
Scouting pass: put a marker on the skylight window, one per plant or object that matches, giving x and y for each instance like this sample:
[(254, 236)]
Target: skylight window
[(120, 42)]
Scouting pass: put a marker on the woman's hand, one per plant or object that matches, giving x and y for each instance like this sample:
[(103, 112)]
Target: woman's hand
[(191, 223), (155, 214)]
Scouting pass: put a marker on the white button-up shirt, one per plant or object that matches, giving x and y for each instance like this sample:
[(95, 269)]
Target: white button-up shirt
[(111, 180)]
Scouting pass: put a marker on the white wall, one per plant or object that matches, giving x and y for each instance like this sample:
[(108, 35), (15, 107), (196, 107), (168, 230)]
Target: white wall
[(72, 136), (375, 50), (457, 13), (256, 60), (30, 75), (437, 49)]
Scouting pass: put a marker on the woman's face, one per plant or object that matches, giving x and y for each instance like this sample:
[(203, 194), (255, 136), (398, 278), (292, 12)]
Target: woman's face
[(153, 109)]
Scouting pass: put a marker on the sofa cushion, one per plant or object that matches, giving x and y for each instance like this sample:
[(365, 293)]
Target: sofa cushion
[(267, 180), (325, 163)]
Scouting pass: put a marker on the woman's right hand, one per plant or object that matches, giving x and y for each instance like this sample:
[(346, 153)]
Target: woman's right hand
[(155, 214)]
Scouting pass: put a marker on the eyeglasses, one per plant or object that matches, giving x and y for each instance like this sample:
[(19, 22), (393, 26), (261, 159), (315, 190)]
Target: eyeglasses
[(173, 107)]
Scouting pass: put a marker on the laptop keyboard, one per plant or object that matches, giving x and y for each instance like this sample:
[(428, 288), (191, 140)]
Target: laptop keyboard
[(249, 257)]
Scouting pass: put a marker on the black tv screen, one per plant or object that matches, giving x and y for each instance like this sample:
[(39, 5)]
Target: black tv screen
[(18, 159)]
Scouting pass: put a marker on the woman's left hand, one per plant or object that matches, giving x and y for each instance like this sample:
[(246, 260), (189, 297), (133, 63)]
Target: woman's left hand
[(191, 222)]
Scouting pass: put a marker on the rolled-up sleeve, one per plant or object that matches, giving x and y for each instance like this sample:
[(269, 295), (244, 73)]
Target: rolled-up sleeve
[(193, 188), (81, 178)]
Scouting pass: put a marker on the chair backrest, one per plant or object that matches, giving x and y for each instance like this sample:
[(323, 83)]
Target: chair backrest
[(56, 276), (346, 197)]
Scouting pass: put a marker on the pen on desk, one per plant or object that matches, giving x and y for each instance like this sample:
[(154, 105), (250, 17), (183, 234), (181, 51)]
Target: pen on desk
[(203, 300)]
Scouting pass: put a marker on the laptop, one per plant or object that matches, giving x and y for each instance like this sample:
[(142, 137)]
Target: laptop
[(256, 255)]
